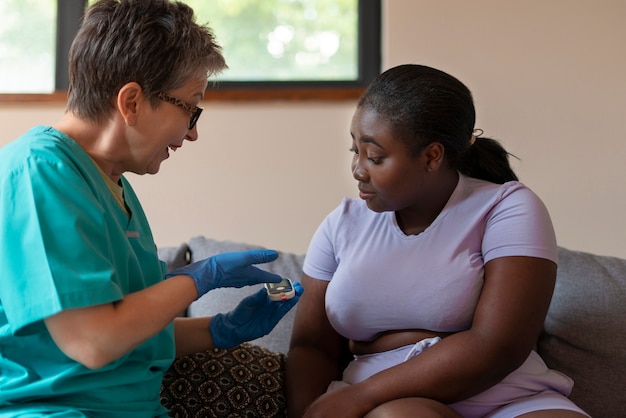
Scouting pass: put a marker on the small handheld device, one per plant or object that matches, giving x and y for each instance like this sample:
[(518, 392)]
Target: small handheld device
[(282, 290)]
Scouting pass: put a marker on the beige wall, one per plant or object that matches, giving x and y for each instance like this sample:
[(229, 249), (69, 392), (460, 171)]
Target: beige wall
[(548, 80)]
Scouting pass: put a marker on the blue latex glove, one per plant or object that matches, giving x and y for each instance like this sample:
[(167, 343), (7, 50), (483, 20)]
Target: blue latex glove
[(229, 270), (254, 317)]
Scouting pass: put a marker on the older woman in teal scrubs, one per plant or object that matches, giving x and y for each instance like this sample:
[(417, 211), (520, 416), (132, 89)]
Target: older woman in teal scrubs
[(88, 315)]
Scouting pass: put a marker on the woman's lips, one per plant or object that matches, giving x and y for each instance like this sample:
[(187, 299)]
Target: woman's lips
[(366, 194), (169, 148)]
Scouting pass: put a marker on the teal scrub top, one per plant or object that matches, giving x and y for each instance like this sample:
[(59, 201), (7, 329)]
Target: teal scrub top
[(66, 243)]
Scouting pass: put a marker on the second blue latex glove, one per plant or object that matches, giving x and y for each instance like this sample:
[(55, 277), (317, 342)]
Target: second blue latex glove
[(229, 270), (254, 317)]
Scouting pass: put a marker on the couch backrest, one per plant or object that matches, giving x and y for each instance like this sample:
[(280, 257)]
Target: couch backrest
[(585, 330)]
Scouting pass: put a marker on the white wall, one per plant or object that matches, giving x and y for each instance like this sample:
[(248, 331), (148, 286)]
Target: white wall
[(548, 80)]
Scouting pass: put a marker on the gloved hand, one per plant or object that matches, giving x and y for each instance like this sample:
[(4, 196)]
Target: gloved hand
[(229, 270), (254, 317)]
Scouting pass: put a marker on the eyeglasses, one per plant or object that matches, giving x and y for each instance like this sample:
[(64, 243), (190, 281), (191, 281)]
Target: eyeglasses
[(195, 110)]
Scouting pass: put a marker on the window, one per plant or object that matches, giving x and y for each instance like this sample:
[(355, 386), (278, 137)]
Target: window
[(327, 49), (27, 46)]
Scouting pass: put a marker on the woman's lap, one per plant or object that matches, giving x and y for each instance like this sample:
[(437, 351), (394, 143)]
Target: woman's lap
[(533, 386)]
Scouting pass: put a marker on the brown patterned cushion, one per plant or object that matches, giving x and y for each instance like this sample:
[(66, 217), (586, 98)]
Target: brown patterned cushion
[(245, 381)]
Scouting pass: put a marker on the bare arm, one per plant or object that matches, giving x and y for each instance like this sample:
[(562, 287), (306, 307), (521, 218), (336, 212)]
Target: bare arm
[(192, 335), (96, 335), (315, 351), (507, 322)]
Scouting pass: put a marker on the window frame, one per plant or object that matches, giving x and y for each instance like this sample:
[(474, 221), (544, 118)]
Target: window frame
[(69, 14)]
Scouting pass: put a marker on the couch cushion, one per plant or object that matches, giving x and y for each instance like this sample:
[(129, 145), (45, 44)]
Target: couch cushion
[(585, 330), (245, 381), (223, 300)]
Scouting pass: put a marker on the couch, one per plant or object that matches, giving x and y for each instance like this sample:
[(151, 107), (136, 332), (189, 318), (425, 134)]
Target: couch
[(584, 336)]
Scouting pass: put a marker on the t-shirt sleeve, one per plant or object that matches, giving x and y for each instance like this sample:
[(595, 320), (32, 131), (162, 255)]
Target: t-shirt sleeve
[(320, 261), (55, 254), (519, 225)]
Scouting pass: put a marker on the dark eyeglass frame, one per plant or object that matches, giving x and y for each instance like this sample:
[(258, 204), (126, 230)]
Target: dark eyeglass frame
[(195, 110)]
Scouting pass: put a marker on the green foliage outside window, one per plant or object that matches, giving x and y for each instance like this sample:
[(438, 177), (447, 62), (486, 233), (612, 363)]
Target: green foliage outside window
[(284, 40)]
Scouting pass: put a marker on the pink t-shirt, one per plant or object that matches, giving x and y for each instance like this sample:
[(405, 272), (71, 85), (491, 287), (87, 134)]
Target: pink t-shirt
[(381, 279)]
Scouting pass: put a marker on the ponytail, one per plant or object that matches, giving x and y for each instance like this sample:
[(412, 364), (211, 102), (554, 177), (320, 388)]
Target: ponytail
[(486, 159)]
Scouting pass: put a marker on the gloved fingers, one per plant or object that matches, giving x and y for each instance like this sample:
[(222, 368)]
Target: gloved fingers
[(254, 301), (262, 256), (250, 308), (297, 287), (278, 309), (257, 275), (246, 258), (259, 306), (248, 321)]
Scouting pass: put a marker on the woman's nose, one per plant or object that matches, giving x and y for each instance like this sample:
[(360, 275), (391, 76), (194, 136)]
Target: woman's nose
[(192, 134), (357, 171)]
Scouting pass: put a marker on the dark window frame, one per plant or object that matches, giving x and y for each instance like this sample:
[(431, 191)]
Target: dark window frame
[(69, 14)]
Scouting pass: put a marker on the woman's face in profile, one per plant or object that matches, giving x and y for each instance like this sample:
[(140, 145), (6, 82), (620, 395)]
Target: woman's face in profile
[(163, 129), (389, 178)]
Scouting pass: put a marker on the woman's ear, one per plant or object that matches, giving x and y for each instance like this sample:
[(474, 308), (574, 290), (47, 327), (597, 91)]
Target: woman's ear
[(433, 154), (129, 101)]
